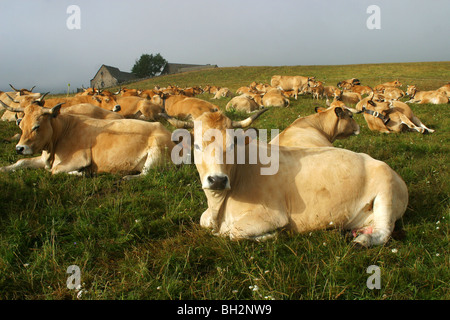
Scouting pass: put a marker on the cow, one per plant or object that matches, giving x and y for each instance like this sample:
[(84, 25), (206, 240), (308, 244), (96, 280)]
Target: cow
[(347, 97), (421, 97), (77, 144), (320, 129), (347, 84), (445, 89), (222, 93), (275, 98), (313, 189), (131, 107), (393, 93), (388, 117), (183, 107), (362, 90), (385, 85), (243, 103), (296, 83)]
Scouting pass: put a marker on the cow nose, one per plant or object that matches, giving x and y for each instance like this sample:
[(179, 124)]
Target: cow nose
[(19, 149), (218, 182), (117, 108)]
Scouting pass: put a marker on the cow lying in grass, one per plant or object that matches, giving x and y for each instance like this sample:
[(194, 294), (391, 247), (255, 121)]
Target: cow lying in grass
[(313, 189), (76, 144)]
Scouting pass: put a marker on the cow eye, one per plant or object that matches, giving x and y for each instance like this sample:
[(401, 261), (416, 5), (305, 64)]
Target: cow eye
[(35, 127)]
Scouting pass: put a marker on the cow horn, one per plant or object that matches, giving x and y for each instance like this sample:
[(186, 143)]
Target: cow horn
[(11, 108), (55, 110), (12, 99), (31, 90), (42, 97), (246, 122), (13, 88)]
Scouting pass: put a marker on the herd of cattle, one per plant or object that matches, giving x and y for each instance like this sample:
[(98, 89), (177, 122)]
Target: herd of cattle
[(316, 186)]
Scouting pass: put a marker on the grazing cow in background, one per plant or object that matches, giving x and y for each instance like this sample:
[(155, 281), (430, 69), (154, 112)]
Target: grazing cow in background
[(275, 98), (311, 190), (421, 97), (296, 83), (320, 129), (76, 144)]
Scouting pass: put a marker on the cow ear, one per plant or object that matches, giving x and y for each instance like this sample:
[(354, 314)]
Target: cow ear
[(319, 109), (339, 112), (56, 110)]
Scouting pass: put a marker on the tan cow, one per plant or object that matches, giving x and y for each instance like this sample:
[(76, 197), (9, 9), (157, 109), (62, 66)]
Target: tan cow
[(222, 93), (320, 129), (347, 84), (313, 189), (243, 103), (421, 97), (76, 144), (381, 87), (296, 83), (347, 97), (275, 98), (445, 89), (183, 107), (131, 107), (362, 90), (387, 117)]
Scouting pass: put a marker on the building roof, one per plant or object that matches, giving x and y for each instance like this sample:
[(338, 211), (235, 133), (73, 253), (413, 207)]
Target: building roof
[(121, 76)]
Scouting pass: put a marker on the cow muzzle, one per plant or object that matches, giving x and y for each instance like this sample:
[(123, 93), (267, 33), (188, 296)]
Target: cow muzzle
[(117, 108), (23, 149), (216, 182)]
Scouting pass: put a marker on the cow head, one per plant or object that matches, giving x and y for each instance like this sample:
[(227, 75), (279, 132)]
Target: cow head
[(37, 129), (340, 119), (411, 90), (106, 102)]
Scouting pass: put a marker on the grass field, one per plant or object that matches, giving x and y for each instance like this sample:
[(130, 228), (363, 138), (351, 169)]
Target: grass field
[(141, 239)]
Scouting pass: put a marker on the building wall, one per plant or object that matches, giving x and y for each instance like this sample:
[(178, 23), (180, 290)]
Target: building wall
[(103, 79)]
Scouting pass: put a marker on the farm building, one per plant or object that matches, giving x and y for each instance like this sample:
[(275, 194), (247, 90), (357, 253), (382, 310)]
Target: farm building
[(171, 68), (108, 76)]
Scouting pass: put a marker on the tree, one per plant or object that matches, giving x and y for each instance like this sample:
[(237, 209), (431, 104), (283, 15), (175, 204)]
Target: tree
[(148, 65)]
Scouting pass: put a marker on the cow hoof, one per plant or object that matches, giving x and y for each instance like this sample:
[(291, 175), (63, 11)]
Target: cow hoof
[(364, 240)]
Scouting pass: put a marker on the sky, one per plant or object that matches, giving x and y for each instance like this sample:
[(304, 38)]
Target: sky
[(39, 48)]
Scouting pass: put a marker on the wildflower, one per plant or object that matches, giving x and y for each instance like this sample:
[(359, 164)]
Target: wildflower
[(394, 250), (437, 254), (234, 291), (255, 288), (158, 288)]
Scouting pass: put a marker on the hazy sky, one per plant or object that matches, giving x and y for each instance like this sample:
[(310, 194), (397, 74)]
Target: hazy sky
[(39, 49)]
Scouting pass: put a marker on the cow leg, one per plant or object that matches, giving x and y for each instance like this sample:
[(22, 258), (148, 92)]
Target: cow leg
[(32, 163), (419, 123), (258, 225), (153, 159), (388, 206), (405, 120)]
